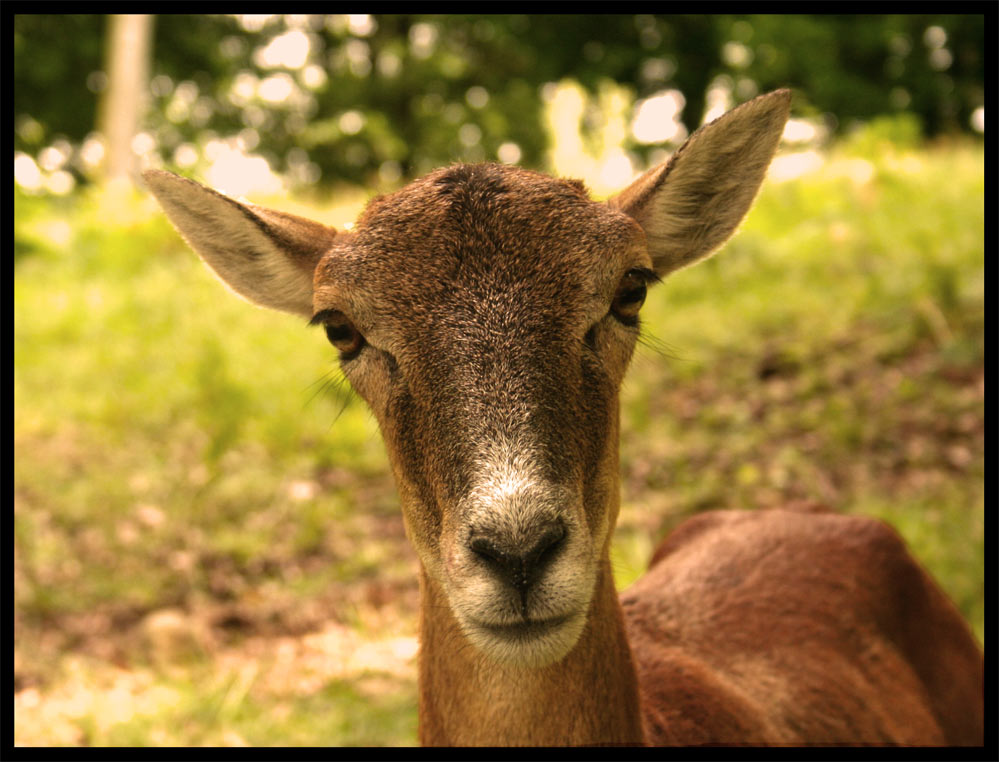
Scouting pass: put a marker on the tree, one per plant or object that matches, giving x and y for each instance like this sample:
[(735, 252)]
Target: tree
[(122, 104), (358, 98)]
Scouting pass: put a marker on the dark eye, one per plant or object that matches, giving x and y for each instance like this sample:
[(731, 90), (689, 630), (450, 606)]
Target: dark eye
[(630, 297), (343, 335)]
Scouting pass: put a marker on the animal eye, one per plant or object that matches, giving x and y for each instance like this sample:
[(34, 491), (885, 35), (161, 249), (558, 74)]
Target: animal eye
[(343, 335), (630, 297)]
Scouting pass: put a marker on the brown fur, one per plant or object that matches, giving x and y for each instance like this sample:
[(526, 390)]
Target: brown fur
[(482, 307), (821, 627), (465, 700)]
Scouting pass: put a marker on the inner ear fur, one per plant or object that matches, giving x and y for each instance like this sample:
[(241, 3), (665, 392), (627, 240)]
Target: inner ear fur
[(690, 205), (268, 257)]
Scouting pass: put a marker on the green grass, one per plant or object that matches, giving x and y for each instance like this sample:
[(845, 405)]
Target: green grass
[(178, 448), (224, 715)]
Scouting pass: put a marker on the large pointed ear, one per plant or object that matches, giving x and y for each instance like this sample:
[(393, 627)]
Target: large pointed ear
[(692, 203), (266, 256)]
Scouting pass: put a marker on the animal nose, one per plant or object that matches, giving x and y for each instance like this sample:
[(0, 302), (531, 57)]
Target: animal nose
[(517, 561)]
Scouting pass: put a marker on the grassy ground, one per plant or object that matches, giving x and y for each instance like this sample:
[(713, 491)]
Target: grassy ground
[(208, 547)]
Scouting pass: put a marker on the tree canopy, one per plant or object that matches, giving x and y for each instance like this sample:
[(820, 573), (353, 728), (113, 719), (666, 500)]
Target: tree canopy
[(349, 98)]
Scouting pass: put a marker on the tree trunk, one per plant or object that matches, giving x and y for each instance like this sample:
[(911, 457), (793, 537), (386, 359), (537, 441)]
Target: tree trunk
[(127, 63)]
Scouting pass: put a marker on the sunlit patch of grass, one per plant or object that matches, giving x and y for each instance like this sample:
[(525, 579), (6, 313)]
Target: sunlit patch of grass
[(201, 704)]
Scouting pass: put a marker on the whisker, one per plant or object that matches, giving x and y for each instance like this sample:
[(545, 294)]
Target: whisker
[(321, 384), (344, 393), (658, 346), (332, 383), (346, 402)]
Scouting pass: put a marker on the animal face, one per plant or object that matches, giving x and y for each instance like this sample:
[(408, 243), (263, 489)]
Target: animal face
[(487, 315)]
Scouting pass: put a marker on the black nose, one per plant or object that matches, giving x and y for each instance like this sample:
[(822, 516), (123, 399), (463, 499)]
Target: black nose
[(515, 561)]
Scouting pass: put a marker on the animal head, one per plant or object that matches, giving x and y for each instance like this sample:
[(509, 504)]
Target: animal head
[(487, 315)]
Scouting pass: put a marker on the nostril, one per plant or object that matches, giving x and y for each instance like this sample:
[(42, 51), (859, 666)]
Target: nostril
[(484, 547), (518, 562), (546, 546)]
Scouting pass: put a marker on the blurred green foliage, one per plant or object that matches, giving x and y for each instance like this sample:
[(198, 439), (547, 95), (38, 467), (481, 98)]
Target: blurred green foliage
[(419, 91)]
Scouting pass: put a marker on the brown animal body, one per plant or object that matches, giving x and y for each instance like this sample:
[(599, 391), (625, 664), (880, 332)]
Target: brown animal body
[(808, 628), (487, 315)]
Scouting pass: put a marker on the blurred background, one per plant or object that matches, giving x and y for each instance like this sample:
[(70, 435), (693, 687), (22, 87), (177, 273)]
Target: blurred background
[(208, 548)]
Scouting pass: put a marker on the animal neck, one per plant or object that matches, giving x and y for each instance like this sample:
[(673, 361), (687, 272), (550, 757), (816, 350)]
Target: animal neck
[(590, 697)]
